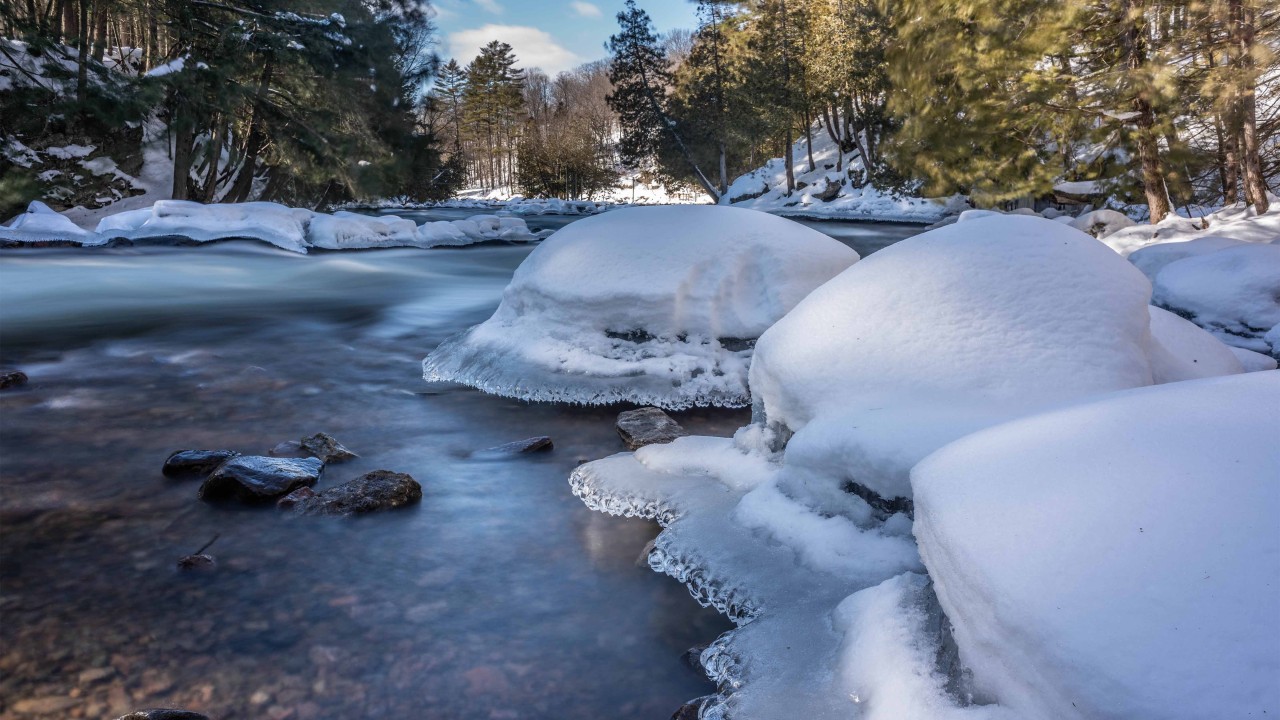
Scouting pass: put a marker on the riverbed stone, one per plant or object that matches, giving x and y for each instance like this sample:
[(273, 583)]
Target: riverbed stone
[(188, 463), (256, 478), (378, 490), (647, 426), (197, 562), (325, 447), (11, 378), (541, 443)]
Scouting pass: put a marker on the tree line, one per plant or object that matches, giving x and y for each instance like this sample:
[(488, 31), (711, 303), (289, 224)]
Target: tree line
[(1162, 102), (301, 101), (508, 127)]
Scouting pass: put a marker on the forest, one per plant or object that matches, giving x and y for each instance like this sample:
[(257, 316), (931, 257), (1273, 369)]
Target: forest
[(1160, 103)]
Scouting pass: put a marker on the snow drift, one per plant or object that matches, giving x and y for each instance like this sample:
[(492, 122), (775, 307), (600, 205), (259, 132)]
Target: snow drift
[(1083, 577), (656, 306)]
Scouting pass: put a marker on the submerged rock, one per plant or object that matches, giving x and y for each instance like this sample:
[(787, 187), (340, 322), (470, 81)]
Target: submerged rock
[(254, 478), (325, 447), (647, 426), (541, 443), (288, 448), (292, 499), (197, 562), (12, 378), (185, 463), (378, 490)]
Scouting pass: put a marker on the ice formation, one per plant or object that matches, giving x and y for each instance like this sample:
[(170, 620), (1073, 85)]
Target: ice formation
[(657, 306), (41, 224), (293, 229), (799, 527), (1084, 574)]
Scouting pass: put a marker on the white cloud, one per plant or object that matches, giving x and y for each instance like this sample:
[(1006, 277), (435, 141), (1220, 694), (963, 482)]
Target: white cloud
[(533, 47), (585, 9), (489, 6)]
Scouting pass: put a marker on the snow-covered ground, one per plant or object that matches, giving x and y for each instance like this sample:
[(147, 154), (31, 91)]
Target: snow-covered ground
[(800, 527), (294, 229), (828, 193), (650, 305)]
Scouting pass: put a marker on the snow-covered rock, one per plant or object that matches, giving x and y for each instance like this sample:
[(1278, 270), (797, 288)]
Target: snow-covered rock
[(1151, 259), (1233, 293), (278, 225), (808, 535), (1102, 223), (827, 193), (656, 306), (346, 230), (1254, 361), (1117, 558), (41, 224)]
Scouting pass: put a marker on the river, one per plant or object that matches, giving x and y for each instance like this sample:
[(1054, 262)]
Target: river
[(499, 596)]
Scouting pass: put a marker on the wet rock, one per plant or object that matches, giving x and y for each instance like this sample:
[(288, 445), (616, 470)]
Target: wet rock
[(163, 714), (691, 710), (288, 448), (647, 426), (528, 445), (323, 446), (12, 378), (255, 478), (93, 675), (302, 494), (189, 463), (378, 490), (197, 562)]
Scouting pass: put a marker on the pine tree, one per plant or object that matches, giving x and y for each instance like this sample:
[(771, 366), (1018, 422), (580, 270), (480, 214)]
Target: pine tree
[(493, 104), (638, 71), (450, 90)]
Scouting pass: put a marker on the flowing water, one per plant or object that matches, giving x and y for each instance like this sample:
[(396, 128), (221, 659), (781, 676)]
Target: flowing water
[(498, 596)]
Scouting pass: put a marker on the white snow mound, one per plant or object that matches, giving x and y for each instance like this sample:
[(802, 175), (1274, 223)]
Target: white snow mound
[(1232, 293), (649, 305), (1116, 559), (276, 224), (40, 223)]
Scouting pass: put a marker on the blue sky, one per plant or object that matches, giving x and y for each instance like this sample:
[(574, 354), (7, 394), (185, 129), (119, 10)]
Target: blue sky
[(554, 35)]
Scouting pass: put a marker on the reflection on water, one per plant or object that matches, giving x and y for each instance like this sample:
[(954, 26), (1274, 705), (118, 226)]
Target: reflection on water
[(500, 596)]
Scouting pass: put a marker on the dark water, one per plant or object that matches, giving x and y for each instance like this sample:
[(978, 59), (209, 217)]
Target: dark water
[(499, 596)]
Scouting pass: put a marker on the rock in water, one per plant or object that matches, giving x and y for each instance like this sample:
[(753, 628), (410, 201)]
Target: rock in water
[(197, 562), (288, 448), (12, 378), (292, 499), (378, 490), (186, 463), (647, 426), (163, 714), (528, 445), (323, 446), (254, 478)]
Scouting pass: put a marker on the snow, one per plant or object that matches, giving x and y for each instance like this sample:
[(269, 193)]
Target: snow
[(1153, 258), (765, 189), (648, 305), (1080, 187), (1252, 361), (176, 65), (278, 225), (1102, 223), (1083, 572), (41, 224), (805, 539), (1233, 293), (1236, 222), (70, 152)]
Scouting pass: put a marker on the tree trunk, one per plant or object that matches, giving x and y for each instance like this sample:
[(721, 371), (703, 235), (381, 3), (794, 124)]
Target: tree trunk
[(1153, 181), (724, 169), (243, 184), (70, 27), (184, 137), (1255, 186), (100, 30), (788, 161), (215, 154), (808, 137)]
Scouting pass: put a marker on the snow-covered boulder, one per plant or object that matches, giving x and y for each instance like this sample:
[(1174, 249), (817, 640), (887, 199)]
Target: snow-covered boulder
[(1181, 350), (1233, 293), (278, 225), (42, 224), (347, 230), (649, 305), (1115, 559), (1151, 259), (1101, 223)]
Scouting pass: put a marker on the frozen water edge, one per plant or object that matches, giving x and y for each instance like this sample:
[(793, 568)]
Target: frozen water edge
[(778, 662)]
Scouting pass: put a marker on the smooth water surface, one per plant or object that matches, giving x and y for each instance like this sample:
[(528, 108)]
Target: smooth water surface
[(499, 596)]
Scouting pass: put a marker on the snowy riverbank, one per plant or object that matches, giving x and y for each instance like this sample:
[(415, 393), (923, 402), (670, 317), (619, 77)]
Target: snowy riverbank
[(294, 229)]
